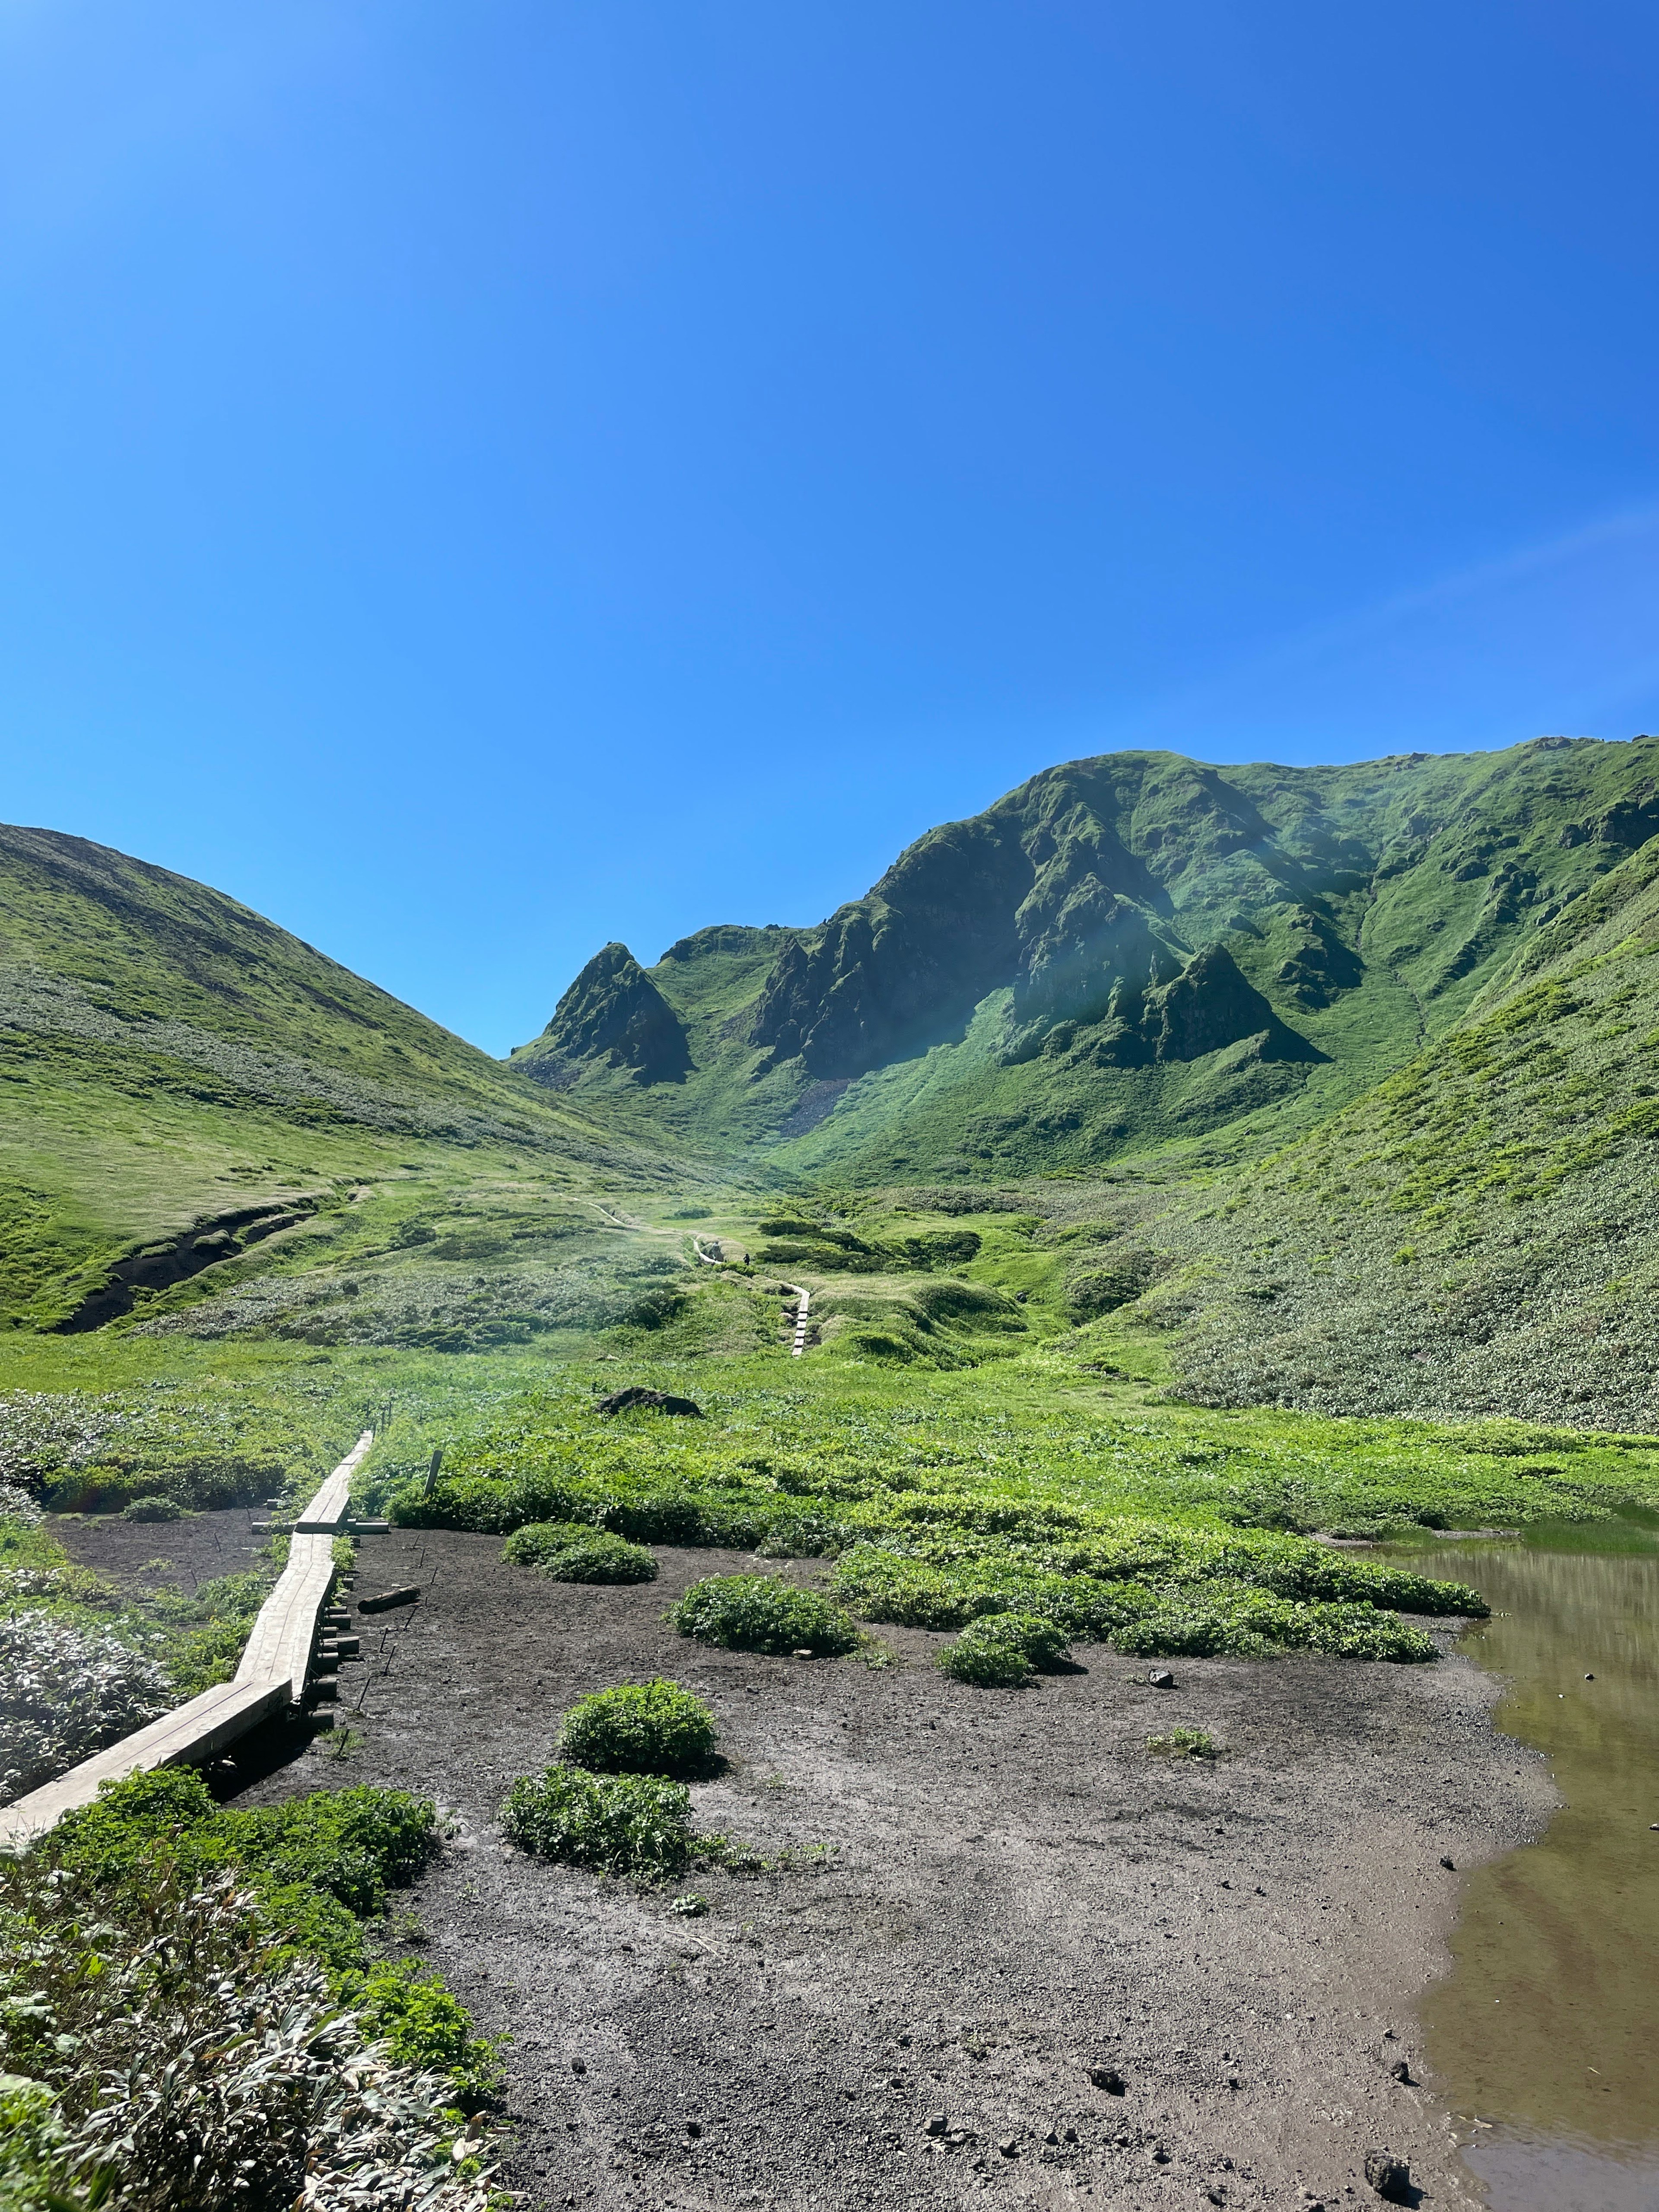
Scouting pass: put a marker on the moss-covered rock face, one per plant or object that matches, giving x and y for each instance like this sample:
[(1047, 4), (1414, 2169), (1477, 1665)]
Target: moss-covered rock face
[(614, 1012)]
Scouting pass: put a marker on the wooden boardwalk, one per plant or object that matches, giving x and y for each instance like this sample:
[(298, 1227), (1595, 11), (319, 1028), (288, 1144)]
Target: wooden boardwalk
[(272, 1674)]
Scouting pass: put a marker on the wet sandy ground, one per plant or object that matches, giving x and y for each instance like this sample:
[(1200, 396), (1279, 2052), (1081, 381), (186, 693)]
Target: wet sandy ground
[(1019, 1891)]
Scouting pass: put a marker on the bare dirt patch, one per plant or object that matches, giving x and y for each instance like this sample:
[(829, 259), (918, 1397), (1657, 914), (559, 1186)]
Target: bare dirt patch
[(1019, 1892)]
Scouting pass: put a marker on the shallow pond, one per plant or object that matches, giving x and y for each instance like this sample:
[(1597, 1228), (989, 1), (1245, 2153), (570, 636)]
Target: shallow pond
[(1544, 2037)]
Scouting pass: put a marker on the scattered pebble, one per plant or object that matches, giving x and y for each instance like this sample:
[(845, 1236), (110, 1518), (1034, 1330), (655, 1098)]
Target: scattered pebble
[(1449, 1865), (1108, 2079), (1161, 1678)]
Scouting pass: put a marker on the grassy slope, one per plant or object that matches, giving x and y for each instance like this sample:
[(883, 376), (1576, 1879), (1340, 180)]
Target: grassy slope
[(166, 1055), (1475, 1234)]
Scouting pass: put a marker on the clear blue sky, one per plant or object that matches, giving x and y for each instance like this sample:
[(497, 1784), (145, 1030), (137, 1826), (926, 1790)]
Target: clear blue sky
[(482, 479)]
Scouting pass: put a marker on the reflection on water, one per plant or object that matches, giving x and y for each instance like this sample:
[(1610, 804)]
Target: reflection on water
[(1547, 2029)]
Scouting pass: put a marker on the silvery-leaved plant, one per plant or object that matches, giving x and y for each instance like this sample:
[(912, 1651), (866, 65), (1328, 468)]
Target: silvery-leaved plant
[(65, 1691), (182, 2068)]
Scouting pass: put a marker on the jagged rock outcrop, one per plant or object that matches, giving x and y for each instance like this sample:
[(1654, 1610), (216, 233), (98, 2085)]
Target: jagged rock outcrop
[(1066, 890), (614, 1012)]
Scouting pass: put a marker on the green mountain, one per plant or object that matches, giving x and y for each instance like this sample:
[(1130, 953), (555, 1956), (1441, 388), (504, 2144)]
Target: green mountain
[(1127, 954), (180, 1079)]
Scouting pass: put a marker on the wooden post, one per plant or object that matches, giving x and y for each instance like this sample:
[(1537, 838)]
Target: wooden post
[(432, 1471)]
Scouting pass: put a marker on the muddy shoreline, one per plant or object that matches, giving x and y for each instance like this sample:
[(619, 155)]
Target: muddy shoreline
[(1018, 1890)]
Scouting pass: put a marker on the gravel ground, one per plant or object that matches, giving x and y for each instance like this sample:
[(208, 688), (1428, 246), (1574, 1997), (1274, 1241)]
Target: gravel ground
[(1017, 1891)]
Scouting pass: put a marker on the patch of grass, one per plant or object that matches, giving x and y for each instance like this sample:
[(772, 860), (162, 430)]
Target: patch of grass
[(567, 1552), (152, 1509), (648, 1728), (1005, 1649), (633, 1824), (763, 1613), (1185, 1743)]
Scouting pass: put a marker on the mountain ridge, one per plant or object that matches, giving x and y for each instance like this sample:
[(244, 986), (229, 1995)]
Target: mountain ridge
[(1362, 907)]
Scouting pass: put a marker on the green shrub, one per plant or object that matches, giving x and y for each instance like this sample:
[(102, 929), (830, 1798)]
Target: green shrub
[(1185, 1743), (1189, 1630), (762, 1613), (153, 1509), (988, 1666), (648, 1728), (1004, 1650), (426, 2027), (348, 1846), (638, 1825), (570, 1553)]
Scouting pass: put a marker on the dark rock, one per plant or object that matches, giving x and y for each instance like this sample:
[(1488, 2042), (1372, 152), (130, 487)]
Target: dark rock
[(936, 2124), (1401, 2071), (1210, 1005), (1108, 2079), (1388, 2176), (579, 2066), (1161, 1678), (1009, 2147), (1449, 1865), (612, 1012), (656, 1401)]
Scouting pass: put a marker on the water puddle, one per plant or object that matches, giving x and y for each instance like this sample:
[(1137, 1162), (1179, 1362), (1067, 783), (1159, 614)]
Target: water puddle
[(1544, 2037)]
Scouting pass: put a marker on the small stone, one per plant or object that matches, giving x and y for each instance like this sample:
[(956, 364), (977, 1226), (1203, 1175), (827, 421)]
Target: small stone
[(693, 2129), (935, 2123), (1589, 1678), (800, 1655), (1449, 1865), (1160, 2156), (1400, 2071), (579, 2066), (1068, 2135), (1053, 2135), (1009, 2147), (1108, 2079), (1161, 1678), (1388, 2176)]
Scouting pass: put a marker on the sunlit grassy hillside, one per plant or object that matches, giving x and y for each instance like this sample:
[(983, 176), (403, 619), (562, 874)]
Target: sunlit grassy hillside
[(169, 1060)]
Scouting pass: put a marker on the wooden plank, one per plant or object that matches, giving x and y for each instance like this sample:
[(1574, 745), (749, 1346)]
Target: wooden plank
[(272, 1674), (183, 1737)]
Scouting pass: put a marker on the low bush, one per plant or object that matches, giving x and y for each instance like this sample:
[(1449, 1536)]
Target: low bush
[(648, 1728), (313, 1865), (637, 1824), (763, 1613), (1005, 1649), (155, 2054), (69, 1690), (569, 1552), (424, 2026), (152, 1509)]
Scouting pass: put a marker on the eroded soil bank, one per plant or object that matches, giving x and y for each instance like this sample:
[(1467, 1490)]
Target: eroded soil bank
[(1018, 1890)]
